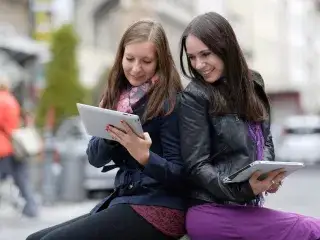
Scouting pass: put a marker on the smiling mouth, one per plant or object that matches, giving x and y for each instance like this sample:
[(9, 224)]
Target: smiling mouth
[(136, 77), (206, 73)]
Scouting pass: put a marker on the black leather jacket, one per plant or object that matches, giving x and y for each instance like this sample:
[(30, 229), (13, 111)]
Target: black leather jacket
[(215, 147)]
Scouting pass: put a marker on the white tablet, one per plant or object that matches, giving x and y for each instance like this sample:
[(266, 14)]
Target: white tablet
[(265, 167), (96, 119)]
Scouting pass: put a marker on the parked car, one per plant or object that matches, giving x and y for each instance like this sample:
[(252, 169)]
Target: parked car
[(71, 144), (276, 131), (300, 140)]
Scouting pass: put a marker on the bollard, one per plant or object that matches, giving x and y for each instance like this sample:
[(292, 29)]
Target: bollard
[(49, 180)]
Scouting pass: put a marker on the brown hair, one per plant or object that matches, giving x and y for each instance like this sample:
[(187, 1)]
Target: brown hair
[(169, 82), (236, 93)]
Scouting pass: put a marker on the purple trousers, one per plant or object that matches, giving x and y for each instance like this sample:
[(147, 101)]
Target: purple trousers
[(228, 222)]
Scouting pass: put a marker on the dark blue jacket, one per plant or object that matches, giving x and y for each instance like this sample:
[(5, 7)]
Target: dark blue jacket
[(160, 181)]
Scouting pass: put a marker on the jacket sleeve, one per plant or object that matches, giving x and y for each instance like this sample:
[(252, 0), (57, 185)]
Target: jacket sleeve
[(168, 168), (269, 154), (196, 152), (100, 151)]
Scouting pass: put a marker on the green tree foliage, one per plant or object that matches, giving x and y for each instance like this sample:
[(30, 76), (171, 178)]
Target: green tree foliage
[(63, 89)]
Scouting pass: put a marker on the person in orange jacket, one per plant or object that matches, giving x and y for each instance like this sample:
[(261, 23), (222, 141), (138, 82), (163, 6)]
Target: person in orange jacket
[(10, 120)]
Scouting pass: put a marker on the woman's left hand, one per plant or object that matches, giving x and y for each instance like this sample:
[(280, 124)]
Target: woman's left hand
[(274, 187), (137, 146)]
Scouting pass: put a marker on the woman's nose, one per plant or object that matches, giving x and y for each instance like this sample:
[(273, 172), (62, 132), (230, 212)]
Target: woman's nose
[(136, 68), (199, 64)]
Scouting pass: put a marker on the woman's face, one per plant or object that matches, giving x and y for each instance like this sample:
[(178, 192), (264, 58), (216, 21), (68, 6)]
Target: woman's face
[(203, 60), (139, 62)]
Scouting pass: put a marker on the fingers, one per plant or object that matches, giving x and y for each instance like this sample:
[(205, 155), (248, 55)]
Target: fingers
[(270, 183), (115, 137), (274, 175), (130, 131), (101, 103), (279, 178), (256, 175), (276, 182), (146, 136), (127, 127), (273, 189), (115, 133)]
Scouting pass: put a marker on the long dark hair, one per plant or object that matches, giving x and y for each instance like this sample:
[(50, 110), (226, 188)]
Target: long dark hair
[(169, 82), (235, 93)]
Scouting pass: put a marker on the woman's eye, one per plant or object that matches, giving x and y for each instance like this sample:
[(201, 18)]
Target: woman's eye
[(206, 54), (129, 59)]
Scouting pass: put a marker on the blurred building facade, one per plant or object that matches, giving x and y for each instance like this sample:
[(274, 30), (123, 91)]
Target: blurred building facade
[(101, 23), (15, 15), (278, 37), (280, 40), (19, 54)]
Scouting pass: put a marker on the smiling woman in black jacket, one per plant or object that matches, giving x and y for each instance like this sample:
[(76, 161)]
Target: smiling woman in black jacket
[(224, 126)]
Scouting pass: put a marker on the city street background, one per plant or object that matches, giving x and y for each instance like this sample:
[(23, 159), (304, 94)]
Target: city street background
[(279, 38)]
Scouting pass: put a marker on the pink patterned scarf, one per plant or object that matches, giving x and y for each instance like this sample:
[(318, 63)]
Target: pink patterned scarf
[(132, 95)]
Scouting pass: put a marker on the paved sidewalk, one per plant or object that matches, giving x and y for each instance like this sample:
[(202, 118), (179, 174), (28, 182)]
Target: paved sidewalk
[(14, 226)]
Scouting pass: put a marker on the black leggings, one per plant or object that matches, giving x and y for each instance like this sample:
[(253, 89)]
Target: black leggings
[(117, 222)]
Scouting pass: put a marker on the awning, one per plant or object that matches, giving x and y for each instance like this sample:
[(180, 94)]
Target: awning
[(23, 48)]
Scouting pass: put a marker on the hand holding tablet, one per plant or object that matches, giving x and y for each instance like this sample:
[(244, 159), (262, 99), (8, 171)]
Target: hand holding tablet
[(264, 167), (96, 120)]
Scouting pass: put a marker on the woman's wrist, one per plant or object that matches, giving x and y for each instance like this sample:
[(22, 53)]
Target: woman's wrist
[(144, 158)]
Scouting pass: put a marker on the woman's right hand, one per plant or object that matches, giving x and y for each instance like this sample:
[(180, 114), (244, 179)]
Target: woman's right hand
[(260, 186)]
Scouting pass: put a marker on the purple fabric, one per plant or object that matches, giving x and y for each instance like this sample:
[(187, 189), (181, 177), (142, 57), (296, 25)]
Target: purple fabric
[(255, 132), (222, 222)]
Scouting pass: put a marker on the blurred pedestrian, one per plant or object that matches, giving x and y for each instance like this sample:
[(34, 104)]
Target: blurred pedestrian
[(225, 126), (9, 166), (148, 199)]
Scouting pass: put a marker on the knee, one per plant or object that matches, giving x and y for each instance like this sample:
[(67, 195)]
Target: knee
[(31, 237), (34, 236)]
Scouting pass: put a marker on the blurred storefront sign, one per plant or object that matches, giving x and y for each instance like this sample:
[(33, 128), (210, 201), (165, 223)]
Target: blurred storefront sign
[(41, 14)]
